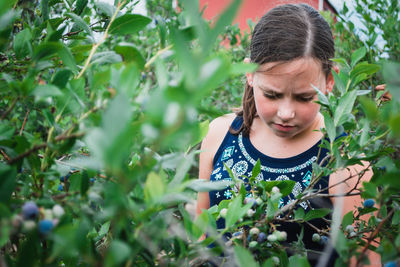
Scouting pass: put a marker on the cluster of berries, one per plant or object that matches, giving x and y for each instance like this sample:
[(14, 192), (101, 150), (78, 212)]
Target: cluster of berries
[(48, 218)]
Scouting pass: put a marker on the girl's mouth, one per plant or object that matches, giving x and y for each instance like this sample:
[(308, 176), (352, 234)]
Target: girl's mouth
[(283, 128)]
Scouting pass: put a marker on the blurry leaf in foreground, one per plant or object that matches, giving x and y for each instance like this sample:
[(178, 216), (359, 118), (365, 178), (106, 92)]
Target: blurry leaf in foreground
[(391, 74), (129, 24)]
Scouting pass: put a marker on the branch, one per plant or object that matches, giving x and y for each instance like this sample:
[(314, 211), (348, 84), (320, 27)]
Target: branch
[(372, 237), (23, 124), (9, 109), (41, 146), (95, 46)]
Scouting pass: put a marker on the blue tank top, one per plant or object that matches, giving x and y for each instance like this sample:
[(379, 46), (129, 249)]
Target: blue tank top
[(238, 153)]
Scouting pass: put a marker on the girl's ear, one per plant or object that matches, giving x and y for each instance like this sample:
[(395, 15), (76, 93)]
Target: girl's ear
[(249, 75), (330, 81)]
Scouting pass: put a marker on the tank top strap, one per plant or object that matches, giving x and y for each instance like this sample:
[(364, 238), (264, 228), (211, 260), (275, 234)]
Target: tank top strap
[(229, 138)]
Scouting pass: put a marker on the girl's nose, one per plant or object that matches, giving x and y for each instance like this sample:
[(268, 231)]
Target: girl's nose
[(286, 112)]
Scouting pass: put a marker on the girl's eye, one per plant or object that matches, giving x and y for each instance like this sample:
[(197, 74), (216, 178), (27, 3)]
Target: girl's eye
[(306, 99), (271, 96)]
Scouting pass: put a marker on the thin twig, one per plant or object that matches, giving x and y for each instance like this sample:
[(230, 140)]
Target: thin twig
[(372, 237), (5, 155), (23, 124), (160, 52), (9, 109), (105, 35), (41, 146)]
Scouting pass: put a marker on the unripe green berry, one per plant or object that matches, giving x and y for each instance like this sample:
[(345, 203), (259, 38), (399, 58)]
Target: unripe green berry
[(250, 212), (352, 234), (223, 212), (280, 236), (276, 260), (275, 190), (272, 238), (254, 231), (259, 201), (349, 228), (253, 244), (316, 237)]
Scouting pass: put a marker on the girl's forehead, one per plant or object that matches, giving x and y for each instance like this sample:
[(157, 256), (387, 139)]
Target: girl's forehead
[(293, 67)]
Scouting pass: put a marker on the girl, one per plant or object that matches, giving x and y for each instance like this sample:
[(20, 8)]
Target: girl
[(279, 122)]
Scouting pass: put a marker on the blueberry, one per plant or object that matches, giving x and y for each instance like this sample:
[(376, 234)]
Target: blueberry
[(92, 180), (349, 228), (45, 226), (261, 237), (236, 233), (67, 175), (60, 187), (369, 203), (30, 211), (390, 264), (62, 179), (316, 237), (272, 238), (324, 240)]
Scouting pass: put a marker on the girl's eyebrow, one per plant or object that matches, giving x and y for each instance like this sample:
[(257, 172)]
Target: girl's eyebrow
[(307, 93)]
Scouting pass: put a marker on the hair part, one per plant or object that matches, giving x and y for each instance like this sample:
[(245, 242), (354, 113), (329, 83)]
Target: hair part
[(285, 33)]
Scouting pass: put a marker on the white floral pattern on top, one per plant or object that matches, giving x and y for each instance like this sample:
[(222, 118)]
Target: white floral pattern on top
[(273, 170), (240, 168)]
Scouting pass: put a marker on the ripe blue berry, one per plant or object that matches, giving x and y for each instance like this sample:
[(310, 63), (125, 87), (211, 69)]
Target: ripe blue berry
[(62, 179), (369, 203), (60, 187), (30, 210), (261, 237), (324, 240), (45, 226), (390, 264), (92, 180)]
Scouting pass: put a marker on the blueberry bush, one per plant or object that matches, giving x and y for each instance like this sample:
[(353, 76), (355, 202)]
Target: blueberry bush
[(102, 111)]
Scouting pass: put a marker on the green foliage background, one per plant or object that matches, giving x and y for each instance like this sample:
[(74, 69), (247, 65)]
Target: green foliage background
[(118, 102)]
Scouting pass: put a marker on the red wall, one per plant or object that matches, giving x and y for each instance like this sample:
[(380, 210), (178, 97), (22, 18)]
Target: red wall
[(253, 9)]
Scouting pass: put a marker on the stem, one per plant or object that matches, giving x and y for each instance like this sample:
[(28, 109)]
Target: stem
[(95, 46), (9, 109), (23, 124), (156, 56)]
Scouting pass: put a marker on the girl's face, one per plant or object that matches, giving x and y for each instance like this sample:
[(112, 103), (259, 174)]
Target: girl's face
[(284, 96)]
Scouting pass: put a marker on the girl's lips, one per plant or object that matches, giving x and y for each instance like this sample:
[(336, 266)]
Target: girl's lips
[(283, 128)]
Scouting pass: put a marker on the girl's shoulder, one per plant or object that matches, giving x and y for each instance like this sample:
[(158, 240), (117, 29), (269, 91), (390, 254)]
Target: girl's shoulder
[(216, 132)]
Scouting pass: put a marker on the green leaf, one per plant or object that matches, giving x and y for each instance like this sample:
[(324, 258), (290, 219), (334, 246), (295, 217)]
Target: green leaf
[(321, 97), (316, 213), (347, 219), (67, 58), (117, 253), (22, 44), (82, 24), (154, 187), (391, 74), (7, 182), (80, 6), (84, 182), (105, 8), (129, 80), (128, 24), (45, 9), (298, 261), (45, 50), (244, 257), (299, 214), (202, 185), (236, 211), (256, 170), (47, 90), (339, 83), (329, 126), (285, 186), (241, 68), (130, 53), (369, 107), (364, 68), (344, 107), (358, 55), (61, 78)]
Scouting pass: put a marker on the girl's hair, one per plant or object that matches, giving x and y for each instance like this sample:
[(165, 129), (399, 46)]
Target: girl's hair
[(285, 33)]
